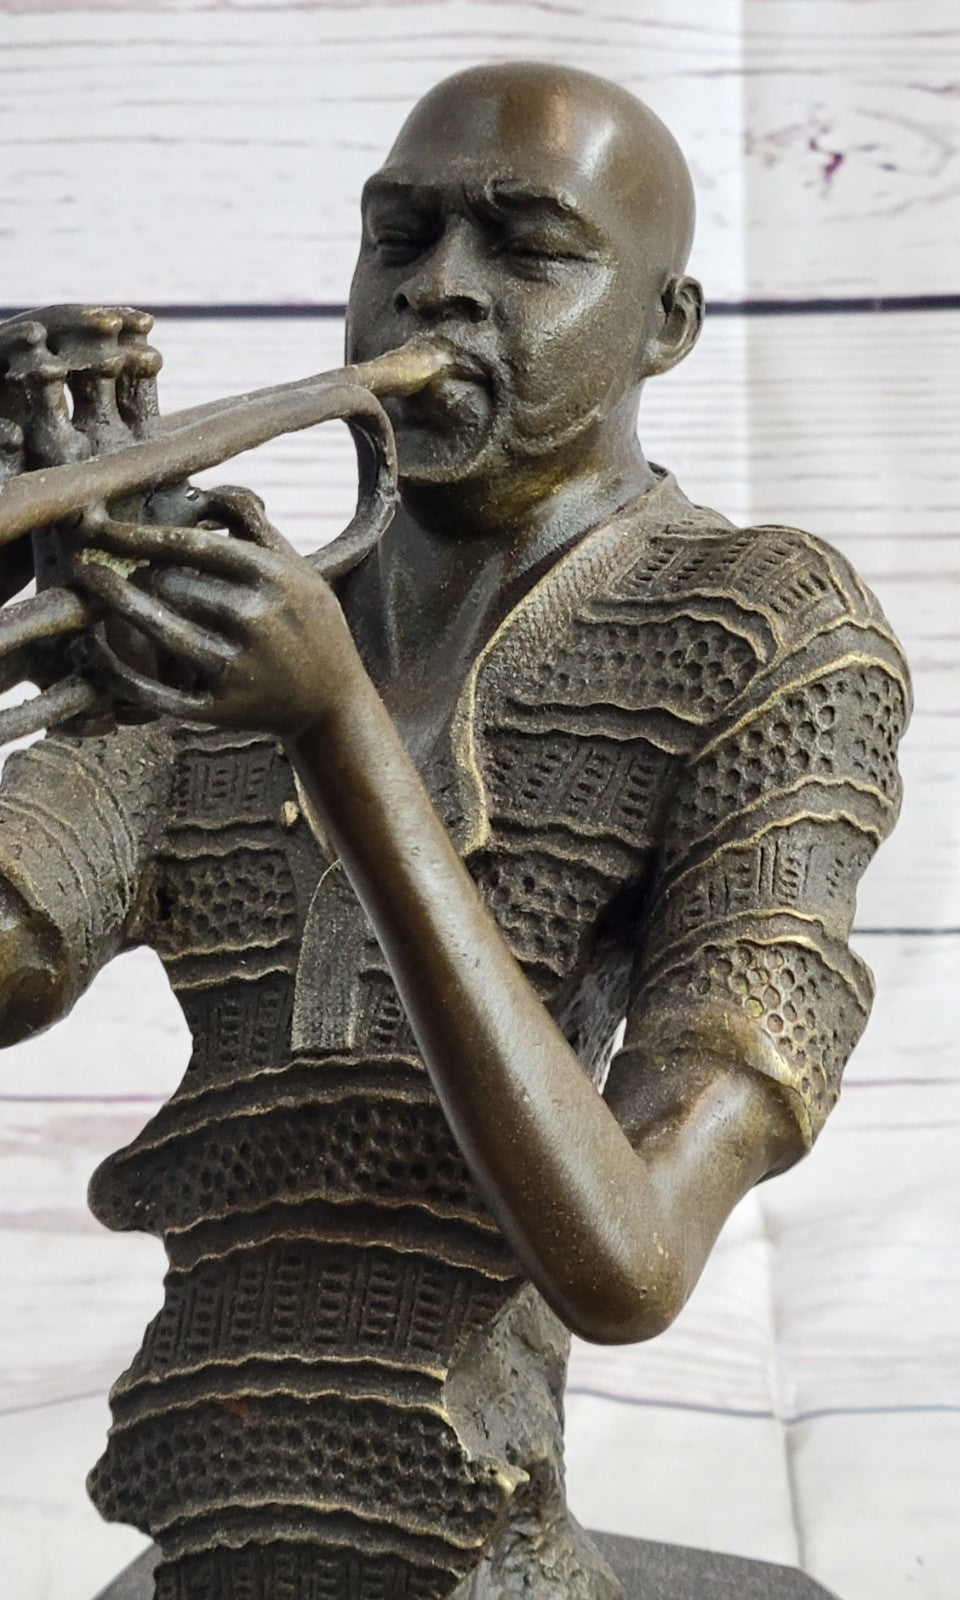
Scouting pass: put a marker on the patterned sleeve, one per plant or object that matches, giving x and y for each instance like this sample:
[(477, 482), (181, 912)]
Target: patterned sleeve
[(78, 821), (775, 815)]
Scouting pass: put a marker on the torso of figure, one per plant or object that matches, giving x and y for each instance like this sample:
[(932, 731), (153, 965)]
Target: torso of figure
[(420, 617), (351, 1390), (332, 1263)]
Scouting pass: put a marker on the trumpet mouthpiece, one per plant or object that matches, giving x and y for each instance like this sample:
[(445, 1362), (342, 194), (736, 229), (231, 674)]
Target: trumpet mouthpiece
[(403, 371)]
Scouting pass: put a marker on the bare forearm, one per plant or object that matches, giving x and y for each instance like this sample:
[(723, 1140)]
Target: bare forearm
[(610, 1238)]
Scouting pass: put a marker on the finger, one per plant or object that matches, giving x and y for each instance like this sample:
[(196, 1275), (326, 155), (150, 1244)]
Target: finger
[(191, 547), (29, 625), (205, 598), (139, 690), (67, 699), (160, 622), (244, 514)]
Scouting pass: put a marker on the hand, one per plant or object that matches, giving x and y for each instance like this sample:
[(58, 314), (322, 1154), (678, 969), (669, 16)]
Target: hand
[(260, 631)]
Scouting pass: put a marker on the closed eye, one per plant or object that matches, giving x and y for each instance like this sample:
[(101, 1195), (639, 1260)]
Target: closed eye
[(396, 246), (538, 252), (537, 258)]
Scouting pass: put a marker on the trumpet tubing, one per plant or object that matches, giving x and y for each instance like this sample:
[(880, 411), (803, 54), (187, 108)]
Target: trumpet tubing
[(206, 435), (177, 446)]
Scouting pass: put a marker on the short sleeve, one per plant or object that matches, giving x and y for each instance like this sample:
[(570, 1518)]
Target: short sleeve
[(774, 817), (78, 822)]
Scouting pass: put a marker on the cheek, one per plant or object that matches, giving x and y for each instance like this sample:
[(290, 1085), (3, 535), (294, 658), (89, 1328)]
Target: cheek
[(570, 342)]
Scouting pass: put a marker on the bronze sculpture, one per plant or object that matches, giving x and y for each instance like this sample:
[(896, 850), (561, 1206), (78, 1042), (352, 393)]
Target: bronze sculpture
[(662, 749)]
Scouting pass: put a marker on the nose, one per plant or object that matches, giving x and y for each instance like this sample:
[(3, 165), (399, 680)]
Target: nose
[(445, 282)]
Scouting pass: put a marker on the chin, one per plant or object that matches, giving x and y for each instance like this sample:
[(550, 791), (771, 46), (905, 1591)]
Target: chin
[(443, 436), (433, 456), (424, 461)]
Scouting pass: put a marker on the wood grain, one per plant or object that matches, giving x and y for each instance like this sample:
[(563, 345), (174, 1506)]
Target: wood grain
[(215, 153)]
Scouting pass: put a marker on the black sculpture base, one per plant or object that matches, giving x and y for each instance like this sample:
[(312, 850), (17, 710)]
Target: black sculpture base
[(647, 1571)]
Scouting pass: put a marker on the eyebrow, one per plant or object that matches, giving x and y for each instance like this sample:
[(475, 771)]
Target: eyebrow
[(497, 195), (513, 196), (381, 187)]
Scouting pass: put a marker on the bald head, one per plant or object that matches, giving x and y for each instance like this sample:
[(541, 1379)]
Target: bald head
[(538, 219), (525, 120)]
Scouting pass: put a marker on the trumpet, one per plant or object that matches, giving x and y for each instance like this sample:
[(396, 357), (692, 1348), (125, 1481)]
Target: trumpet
[(207, 435), (47, 500)]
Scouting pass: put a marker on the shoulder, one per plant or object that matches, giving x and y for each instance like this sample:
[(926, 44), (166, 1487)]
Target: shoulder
[(792, 579), (668, 621), (771, 598)]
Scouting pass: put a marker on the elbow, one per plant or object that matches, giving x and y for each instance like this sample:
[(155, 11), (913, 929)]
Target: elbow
[(632, 1311)]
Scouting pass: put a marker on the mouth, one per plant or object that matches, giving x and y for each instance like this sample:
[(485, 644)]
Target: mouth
[(444, 365), (423, 363), (460, 364), (457, 397)]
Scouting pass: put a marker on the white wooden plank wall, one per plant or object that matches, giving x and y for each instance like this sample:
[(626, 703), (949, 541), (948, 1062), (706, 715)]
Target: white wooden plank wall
[(214, 152), (806, 1407)]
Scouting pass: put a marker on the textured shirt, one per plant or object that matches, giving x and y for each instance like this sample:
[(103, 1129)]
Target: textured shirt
[(666, 772)]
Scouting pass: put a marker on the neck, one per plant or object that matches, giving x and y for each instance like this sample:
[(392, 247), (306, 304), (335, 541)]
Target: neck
[(457, 556)]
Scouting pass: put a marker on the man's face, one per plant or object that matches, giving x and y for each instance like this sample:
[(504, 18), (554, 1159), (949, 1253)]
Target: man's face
[(500, 232)]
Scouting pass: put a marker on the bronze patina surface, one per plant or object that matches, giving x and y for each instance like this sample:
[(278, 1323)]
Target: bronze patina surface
[(552, 749), (645, 1571)]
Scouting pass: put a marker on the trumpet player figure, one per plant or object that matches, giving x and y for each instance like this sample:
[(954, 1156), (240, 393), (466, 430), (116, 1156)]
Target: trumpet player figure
[(554, 750)]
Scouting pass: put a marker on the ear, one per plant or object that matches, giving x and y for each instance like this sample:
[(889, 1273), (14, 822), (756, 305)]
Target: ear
[(682, 305)]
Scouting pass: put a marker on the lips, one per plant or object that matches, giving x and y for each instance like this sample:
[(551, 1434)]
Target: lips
[(463, 365), (467, 366), (456, 398), (449, 401)]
